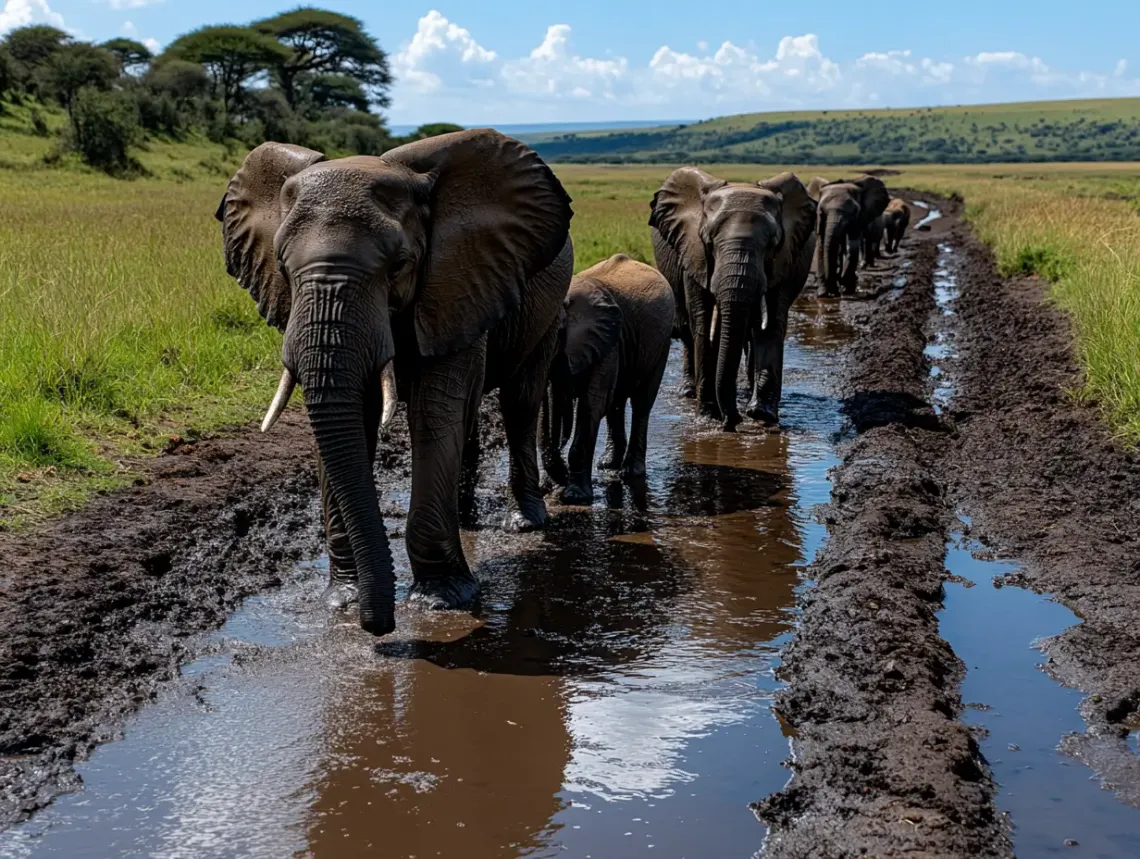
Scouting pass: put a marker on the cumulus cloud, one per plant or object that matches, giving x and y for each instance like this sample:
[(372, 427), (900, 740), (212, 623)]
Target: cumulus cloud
[(444, 54), (20, 13), (129, 30), (132, 4)]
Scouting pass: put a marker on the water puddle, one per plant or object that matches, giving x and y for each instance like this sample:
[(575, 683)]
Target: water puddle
[(932, 214), (613, 698), (1052, 799), (1057, 805)]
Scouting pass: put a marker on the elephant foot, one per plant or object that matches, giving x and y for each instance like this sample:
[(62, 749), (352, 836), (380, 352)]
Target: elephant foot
[(340, 595), (577, 496), (446, 594), (766, 413), (609, 463), (731, 422), (531, 517), (687, 390), (633, 471)]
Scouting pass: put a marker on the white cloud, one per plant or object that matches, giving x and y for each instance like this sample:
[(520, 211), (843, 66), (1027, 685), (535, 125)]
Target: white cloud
[(445, 73), (153, 45), (129, 30), (132, 4), (19, 13)]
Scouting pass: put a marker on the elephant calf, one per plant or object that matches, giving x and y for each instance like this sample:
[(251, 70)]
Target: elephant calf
[(896, 219), (846, 209), (619, 323)]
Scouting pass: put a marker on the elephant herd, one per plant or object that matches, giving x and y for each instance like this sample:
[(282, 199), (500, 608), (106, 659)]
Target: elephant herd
[(443, 270)]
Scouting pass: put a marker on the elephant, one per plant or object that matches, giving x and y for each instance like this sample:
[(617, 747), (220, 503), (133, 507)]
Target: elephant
[(873, 241), (846, 208), (619, 325), (448, 256), (896, 219), (815, 186), (737, 254)]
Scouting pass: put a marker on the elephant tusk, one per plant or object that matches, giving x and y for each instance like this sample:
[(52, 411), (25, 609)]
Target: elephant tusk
[(280, 400), (764, 313), (388, 392)]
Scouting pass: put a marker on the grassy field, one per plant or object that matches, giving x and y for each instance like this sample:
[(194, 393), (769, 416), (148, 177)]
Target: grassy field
[(1090, 130), (119, 327)]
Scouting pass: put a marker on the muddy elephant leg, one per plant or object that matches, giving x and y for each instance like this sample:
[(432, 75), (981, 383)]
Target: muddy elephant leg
[(700, 308), (341, 590), (851, 266), (687, 389), (442, 413), (520, 399), (641, 404), (593, 404), (550, 436), (768, 347), (616, 441), (469, 477)]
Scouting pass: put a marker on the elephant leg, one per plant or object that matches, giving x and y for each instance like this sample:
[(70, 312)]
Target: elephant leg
[(765, 402), (593, 404), (641, 404), (700, 308), (850, 272), (616, 441), (341, 591), (469, 477), (520, 399), (550, 437), (688, 388), (442, 412)]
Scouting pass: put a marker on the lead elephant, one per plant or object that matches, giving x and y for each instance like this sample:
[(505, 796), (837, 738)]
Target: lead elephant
[(619, 322), (896, 219), (450, 255), (846, 208), (744, 251)]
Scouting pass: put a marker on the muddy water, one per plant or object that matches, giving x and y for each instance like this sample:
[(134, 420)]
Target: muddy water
[(611, 698), (1056, 804)]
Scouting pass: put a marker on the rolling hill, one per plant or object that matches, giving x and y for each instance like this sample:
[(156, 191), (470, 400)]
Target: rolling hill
[(1090, 130)]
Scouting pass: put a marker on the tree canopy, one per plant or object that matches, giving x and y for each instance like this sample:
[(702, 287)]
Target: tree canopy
[(323, 43), (231, 55), (131, 55), (73, 67), (31, 46)]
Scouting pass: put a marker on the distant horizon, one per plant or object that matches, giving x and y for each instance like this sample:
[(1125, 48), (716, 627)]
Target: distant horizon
[(538, 127)]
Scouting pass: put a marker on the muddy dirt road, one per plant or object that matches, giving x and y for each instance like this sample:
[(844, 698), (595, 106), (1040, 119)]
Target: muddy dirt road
[(811, 643)]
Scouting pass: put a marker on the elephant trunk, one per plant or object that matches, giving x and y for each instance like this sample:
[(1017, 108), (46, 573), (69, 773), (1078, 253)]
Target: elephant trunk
[(738, 283), (337, 343)]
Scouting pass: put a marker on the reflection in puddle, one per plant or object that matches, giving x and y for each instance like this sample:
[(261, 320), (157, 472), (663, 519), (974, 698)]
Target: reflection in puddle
[(1050, 797), (941, 349), (612, 698), (932, 214)]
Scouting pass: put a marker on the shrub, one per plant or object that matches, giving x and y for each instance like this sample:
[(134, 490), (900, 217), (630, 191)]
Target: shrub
[(104, 127), (39, 124)]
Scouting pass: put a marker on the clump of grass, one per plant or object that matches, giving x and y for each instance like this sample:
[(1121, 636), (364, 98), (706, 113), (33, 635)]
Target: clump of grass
[(34, 434), (1043, 261)]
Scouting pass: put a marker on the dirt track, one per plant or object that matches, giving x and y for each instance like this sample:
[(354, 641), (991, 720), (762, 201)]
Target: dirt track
[(882, 764)]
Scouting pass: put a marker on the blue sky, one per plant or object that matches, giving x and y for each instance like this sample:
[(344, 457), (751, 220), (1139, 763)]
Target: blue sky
[(508, 61)]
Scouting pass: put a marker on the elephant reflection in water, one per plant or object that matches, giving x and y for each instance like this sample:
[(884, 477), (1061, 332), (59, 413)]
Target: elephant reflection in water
[(460, 747)]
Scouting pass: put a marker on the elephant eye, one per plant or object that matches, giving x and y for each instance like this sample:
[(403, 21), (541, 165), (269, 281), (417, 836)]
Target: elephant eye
[(399, 264)]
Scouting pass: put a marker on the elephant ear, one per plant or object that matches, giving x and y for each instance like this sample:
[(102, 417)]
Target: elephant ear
[(873, 197), (798, 213), (677, 213), (498, 216), (250, 213), (593, 324)]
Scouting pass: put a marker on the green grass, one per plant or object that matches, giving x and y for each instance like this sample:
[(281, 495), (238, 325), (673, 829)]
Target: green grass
[(1089, 130)]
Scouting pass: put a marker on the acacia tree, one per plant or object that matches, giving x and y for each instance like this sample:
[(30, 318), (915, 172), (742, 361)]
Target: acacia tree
[(73, 67), (322, 43), (133, 57), (232, 57), (31, 46)]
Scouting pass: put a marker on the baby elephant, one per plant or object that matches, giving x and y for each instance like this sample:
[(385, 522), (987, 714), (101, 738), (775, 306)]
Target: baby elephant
[(896, 219), (872, 241), (619, 323)]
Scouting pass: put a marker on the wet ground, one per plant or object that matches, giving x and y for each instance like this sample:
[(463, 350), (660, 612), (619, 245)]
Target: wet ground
[(614, 694), (846, 624)]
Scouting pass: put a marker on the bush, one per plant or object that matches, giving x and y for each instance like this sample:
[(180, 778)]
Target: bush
[(39, 124), (104, 127)]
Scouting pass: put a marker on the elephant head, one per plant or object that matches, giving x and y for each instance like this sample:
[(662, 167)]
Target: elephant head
[(438, 236), (734, 240), (846, 208)]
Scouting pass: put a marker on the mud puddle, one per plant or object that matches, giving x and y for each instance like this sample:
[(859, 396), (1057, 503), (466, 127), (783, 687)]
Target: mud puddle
[(1055, 803), (613, 697)]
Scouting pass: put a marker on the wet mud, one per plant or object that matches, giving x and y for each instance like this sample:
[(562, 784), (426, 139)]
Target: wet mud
[(819, 642)]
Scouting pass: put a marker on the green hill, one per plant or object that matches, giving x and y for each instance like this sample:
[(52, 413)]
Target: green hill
[(1092, 130)]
